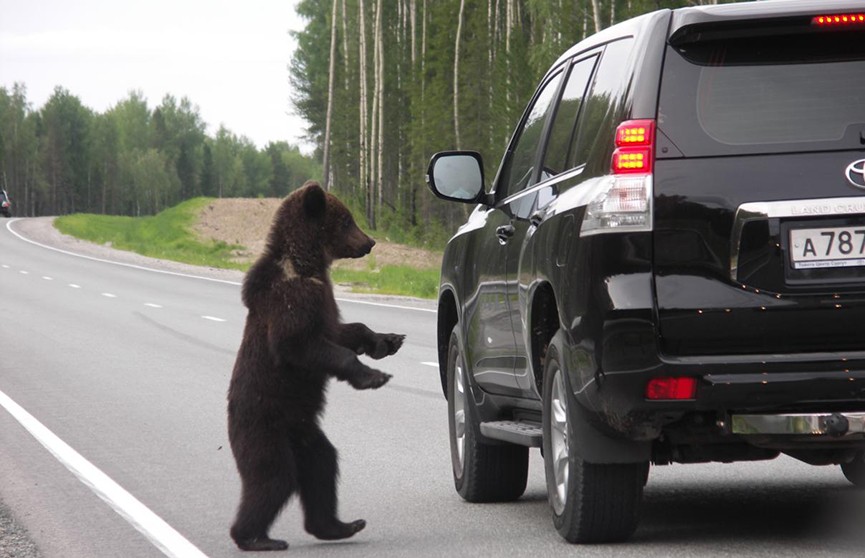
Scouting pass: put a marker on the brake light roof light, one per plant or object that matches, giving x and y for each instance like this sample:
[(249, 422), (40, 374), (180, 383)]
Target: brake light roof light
[(839, 20)]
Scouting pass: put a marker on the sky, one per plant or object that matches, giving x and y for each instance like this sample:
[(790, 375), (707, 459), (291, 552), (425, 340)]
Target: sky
[(229, 57)]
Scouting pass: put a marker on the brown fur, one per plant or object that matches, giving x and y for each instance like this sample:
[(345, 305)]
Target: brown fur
[(293, 342)]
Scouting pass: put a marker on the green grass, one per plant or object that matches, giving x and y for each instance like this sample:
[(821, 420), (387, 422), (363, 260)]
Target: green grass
[(396, 280), (166, 235)]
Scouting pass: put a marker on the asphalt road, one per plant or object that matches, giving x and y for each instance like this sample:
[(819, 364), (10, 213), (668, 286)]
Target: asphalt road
[(113, 439)]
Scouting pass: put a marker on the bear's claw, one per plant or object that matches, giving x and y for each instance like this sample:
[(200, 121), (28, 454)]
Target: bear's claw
[(337, 531), (262, 543), (373, 380), (386, 344)]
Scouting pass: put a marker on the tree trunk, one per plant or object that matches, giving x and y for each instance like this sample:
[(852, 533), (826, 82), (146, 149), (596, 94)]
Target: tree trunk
[(596, 12), (379, 93), (457, 73), (364, 176), (329, 116)]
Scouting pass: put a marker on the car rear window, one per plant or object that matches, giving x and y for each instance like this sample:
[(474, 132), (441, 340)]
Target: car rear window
[(765, 94)]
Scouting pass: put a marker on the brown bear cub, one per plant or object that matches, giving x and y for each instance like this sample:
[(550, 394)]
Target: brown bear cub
[(293, 343)]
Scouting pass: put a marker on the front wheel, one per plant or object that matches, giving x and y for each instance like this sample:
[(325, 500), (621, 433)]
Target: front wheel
[(483, 471), (855, 470), (591, 502)]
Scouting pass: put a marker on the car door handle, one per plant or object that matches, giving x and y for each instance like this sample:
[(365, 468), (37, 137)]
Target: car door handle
[(537, 218), (504, 233)]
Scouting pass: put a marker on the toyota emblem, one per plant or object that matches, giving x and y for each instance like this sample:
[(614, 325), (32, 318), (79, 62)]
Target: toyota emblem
[(855, 173)]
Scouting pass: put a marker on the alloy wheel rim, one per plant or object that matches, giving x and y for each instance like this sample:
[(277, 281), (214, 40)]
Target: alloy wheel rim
[(559, 442), (459, 396)]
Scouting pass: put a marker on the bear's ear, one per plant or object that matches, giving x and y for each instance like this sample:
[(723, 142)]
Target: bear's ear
[(314, 200)]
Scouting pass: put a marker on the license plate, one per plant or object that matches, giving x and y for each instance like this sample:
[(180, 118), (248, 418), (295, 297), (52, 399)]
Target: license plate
[(827, 247)]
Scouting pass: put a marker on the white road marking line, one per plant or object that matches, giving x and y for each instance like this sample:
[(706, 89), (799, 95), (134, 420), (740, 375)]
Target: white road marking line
[(213, 318), (47, 278), (157, 531), (68, 253), (5, 266), (23, 272), (152, 305), (109, 295), (74, 286), (433, 364)]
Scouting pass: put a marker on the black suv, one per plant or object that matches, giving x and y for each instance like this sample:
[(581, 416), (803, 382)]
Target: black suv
[(669, 265)]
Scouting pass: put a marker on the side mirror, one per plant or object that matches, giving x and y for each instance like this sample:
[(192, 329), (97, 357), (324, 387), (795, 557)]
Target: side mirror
[(457, 176)]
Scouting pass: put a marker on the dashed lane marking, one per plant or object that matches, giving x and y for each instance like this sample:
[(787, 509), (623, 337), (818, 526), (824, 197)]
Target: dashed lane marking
[(213, 318), (109, 295), (74, 286), (433, 364), (152, 305)]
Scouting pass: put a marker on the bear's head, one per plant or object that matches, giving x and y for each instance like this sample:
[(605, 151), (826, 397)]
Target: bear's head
[(312, 228)]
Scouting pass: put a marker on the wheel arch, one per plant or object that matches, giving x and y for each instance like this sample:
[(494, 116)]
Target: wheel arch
[(544, 322), (448, 317)]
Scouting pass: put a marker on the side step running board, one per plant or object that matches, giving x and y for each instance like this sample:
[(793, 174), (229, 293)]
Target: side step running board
[(516, 432)]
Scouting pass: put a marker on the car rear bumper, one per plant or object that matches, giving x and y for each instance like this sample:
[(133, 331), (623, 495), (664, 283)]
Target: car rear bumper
[(772, 395)]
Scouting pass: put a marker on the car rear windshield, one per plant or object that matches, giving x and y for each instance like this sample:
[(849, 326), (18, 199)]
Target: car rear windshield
[(765, 94)]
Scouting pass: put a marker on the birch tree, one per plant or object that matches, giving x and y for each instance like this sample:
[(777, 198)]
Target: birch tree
[(457, 73), (330, 80)]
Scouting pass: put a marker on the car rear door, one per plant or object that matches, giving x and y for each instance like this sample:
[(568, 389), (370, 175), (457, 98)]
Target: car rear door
[(759, 240)]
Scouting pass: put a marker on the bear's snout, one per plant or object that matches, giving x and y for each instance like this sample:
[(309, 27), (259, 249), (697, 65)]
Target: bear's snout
[(368, 248)]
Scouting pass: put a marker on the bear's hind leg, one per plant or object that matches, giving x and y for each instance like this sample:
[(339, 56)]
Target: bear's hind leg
[(261, 501), (317, 471)]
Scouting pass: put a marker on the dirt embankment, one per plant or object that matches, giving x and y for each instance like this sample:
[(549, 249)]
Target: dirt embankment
[(245, 222)]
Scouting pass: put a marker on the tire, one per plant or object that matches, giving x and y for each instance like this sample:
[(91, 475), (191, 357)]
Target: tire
[(855, 470), (483, 471), (591, 503)]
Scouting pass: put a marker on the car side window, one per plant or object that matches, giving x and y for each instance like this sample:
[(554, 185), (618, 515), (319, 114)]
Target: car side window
[(564, 127), (520, 173), (601, 108)]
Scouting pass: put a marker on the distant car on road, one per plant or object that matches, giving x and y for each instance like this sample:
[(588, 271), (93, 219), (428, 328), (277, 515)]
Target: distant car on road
[(5, 204), (670, 264)]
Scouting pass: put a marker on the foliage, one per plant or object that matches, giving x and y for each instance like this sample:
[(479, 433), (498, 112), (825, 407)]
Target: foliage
[(165, 235), (131, 159)]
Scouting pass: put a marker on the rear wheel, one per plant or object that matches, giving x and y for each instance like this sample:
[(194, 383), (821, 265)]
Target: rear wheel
[(483, 471), (855, 470), (591, 502)]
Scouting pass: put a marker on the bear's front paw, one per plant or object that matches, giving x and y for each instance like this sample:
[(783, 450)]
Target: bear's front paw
[(386, 344), (373, 380)]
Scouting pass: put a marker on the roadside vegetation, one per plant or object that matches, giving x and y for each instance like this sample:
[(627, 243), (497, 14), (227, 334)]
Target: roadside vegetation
[(168, 235), (395, 280)]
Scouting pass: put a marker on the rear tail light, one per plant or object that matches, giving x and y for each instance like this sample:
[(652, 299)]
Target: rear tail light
[(634, 142), (677, 389), (839, 20), (622, 201)]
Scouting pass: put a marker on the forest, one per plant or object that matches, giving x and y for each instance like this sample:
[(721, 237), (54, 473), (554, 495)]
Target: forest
[(132, 159), (382, 84)]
